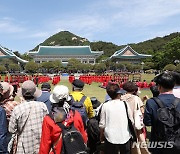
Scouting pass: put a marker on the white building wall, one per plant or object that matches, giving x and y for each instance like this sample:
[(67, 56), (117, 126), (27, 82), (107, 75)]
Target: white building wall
[(82, 59)]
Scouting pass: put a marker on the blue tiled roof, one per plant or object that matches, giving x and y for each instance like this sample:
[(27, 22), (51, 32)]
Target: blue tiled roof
[(119, 54), (66, 50)]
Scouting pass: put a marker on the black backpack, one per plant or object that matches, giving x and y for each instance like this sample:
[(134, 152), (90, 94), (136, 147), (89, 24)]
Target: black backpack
[(93, 129), (80, 107), (73, 142), (168, 124)]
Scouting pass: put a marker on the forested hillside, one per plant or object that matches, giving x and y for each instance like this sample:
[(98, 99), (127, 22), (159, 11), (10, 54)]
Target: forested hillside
[(154, 45), (66, 38)]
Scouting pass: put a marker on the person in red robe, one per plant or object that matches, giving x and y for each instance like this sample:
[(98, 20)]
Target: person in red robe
[(10, 79), (151, 84), (6, 78), (145, 84)]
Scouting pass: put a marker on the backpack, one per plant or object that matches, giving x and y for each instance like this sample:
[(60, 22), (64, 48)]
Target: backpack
[(80, 107), (168, 124), (93, 129), (73, 142)]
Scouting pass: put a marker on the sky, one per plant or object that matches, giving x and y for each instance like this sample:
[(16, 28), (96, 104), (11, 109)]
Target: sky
[(26, 23)]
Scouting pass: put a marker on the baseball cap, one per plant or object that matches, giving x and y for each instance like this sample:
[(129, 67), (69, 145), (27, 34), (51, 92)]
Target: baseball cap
[(78, 83), (59, 92), (28, 88), (95, 102), (45, 86)]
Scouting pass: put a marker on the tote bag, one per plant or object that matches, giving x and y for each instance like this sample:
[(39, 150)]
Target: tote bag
[(138, 118)]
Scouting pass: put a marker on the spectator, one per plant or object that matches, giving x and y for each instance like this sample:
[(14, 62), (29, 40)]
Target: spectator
[(155, 91), (131, 96), (26, 119), (134, 102), (176, 90), (7, 101), (165, 83), (77, 87), (95, 104), (114, 128), (46, 88), (61, 112), (3, 131)]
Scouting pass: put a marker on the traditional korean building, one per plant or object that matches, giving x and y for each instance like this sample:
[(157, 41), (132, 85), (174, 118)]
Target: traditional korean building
[(6, 53), (127, 54), (64, 53)]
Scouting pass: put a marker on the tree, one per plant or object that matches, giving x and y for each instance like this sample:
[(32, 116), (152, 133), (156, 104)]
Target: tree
[(87, 67), (73, 65), (2, 69), (49, 66), (172, 51), (169, 67), (6, 62), (14, 67), (128, 66), (58, 65), (158, 61), (25, 56), (113, 66), (120, 66), (136, 67), (148, 65), (178, 68), (108, 63), (31, 67), (100, 67)]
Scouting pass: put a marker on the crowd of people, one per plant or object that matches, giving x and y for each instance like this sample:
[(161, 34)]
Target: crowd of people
[(16, 79), (105, 78), (59, 121)]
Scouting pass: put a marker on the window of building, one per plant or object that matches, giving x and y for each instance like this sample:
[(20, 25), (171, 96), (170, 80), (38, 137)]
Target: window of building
[(84, 61), (64, 60), (91, 61)]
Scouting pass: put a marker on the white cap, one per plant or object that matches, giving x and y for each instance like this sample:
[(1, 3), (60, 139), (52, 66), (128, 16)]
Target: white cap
[(60, 92), (6, 88)]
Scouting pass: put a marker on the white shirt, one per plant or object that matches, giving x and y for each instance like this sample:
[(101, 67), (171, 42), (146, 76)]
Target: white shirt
[(114, 121), (176, 91)]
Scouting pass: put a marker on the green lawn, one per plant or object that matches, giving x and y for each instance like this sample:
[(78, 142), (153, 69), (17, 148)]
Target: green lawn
[(94, 90)]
